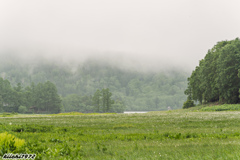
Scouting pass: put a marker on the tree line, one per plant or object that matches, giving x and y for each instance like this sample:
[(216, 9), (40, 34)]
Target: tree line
[(100, 102), (44, 98), (40, 98), (217, 78), (140, 90)]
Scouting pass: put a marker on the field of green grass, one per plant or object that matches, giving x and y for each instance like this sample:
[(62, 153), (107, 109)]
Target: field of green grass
[(180, 134), (224, 107)]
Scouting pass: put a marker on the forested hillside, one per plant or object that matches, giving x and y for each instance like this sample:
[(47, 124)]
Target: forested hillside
[(40, 98), (217, 78), (138, 90)]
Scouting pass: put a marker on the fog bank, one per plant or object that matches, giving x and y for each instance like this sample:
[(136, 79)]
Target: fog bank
[(143, 35)]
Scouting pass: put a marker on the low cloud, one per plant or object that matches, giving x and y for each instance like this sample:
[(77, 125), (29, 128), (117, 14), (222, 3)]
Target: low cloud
[(140, 35)]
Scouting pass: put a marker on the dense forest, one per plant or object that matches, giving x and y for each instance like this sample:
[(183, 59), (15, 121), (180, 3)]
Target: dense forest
[(40, 98), (77, 83), (217, 78), (43, 98)]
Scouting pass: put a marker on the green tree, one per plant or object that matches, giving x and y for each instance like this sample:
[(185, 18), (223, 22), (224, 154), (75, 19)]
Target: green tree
[(84, 79), (209, 77), (217, 76), (73, 102), (103, 102), (52, 99), (22, 109), (5, 95), (194, 85), (118, 106), (46, 98), (97, 100), (228, 66), (189, 103), (106, 100)]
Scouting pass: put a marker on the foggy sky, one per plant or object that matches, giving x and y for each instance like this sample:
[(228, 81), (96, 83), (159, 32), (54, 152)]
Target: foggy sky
[(137, 33)]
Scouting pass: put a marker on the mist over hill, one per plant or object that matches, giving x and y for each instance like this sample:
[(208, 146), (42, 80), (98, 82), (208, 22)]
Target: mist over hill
[(143, 51), (138, 89)]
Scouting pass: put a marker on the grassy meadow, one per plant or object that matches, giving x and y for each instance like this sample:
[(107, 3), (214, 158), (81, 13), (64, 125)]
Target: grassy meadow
[(177, 134)]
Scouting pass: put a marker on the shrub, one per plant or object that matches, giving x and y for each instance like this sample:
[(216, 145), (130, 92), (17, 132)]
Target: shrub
[(189, 103), (9, 143), (22, 109)]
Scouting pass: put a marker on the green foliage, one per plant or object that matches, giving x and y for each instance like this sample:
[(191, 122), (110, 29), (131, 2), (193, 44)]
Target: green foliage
[(41, 98), (177, 134), (30, 128), (103, 102), (97, 100), (10, 144), (225, 107), (118, 106), (46, 98), (216, 78), (229, 64), (22, 109), (189, 103), (100, 102), (138, 90), (123, 126), (7, 114), (5, 94)]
